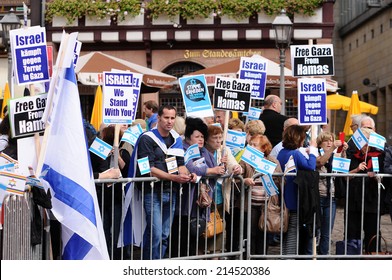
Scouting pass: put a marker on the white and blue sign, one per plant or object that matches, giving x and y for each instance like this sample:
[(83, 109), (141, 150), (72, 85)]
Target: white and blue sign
[(28, 46), (196, 97), (100, 148), (341, 165), (312, 101), (121, 92), (254, 69), (144, 165)]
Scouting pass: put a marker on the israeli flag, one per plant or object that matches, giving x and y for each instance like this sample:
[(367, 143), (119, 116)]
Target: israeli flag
[(136, 129), (235, 150), (9, 167), (359, 139), (269, 185), (191, 153), (376, 165), (252, 156), (341, 165), (130, 137), (267, 167), (377, 141), (254, 113), (235, 138), (144, 165), (100, 148)]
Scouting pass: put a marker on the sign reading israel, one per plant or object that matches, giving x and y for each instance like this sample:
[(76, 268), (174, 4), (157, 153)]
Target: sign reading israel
[(121, 92), (26, 113), (255, 69), (28, 46), (312, 101), (232, 94), (312, 60)]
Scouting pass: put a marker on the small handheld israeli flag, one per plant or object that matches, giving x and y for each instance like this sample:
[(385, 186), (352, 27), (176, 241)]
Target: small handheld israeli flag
[(235, 138), (144, 165), (252, 156), (9, 167), (377, 141), (359, 139), (341, 165), (254, 113), (266, 167), (235, 150), (191, 153), (376, 165), (269, 185), (100, 148), (132, 134)]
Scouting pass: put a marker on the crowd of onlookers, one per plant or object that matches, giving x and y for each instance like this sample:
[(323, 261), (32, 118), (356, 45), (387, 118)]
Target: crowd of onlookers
[(169, 207)]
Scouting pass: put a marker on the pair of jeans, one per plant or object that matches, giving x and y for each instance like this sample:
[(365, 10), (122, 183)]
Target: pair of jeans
[(327, 222), (159, 208)]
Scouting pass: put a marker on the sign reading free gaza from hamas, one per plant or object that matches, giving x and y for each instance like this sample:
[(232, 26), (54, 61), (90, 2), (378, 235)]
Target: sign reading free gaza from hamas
[(26, 113), (232, 94)]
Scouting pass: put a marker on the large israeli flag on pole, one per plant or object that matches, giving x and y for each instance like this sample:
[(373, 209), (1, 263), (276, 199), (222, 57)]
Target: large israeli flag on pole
[(68, 172)]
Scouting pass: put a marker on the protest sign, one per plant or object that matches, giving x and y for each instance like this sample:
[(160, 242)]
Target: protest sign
[(121, 92), (254, 69), (312, 101), (26, 114), (196, 97)]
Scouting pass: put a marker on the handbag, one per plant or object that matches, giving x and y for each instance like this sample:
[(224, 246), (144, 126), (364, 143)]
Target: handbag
[(214, 226), (373, 239), (197, 226), (204, 200), (274, 216)]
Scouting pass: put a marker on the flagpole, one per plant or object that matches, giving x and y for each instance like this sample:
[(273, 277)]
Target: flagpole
[(225, 128), (58, 70), (115, 144)]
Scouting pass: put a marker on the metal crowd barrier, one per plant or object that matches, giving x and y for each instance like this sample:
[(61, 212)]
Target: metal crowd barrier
[(336, 234), (16, 233), (236, 242)]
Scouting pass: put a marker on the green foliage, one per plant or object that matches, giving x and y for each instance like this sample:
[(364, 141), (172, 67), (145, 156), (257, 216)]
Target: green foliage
[(187, 9)]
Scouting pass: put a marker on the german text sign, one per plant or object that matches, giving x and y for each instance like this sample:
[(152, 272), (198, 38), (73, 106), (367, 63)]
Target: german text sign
[(312, 98), (28, 46), (26, 114), (255, 69), (312, 60), (121, 92), (232, 94)]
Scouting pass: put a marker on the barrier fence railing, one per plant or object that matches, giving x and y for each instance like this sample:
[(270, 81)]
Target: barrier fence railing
[(241, 237)]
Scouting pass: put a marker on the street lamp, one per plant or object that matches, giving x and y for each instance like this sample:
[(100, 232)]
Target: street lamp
[(283, 27), (9, 22)]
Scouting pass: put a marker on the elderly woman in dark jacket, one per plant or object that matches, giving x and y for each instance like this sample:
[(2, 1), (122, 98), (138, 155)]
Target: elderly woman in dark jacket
[(195, 133), (361, 163)]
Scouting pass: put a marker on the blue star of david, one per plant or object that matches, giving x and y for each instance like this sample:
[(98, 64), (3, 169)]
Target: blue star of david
[(131, 138), (378, 141), (101, 149), (144, 165), (191, 152), (269, 184), (341, 164), (266, 167), (359, 139), (252, 157), (253, 113), (234, 139)]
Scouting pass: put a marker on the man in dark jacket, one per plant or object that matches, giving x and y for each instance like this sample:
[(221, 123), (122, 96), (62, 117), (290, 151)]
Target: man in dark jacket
[(272, 118)]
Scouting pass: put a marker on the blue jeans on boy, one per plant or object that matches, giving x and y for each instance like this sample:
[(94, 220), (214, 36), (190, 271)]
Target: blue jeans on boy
[(326, 214), (161, 218)]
